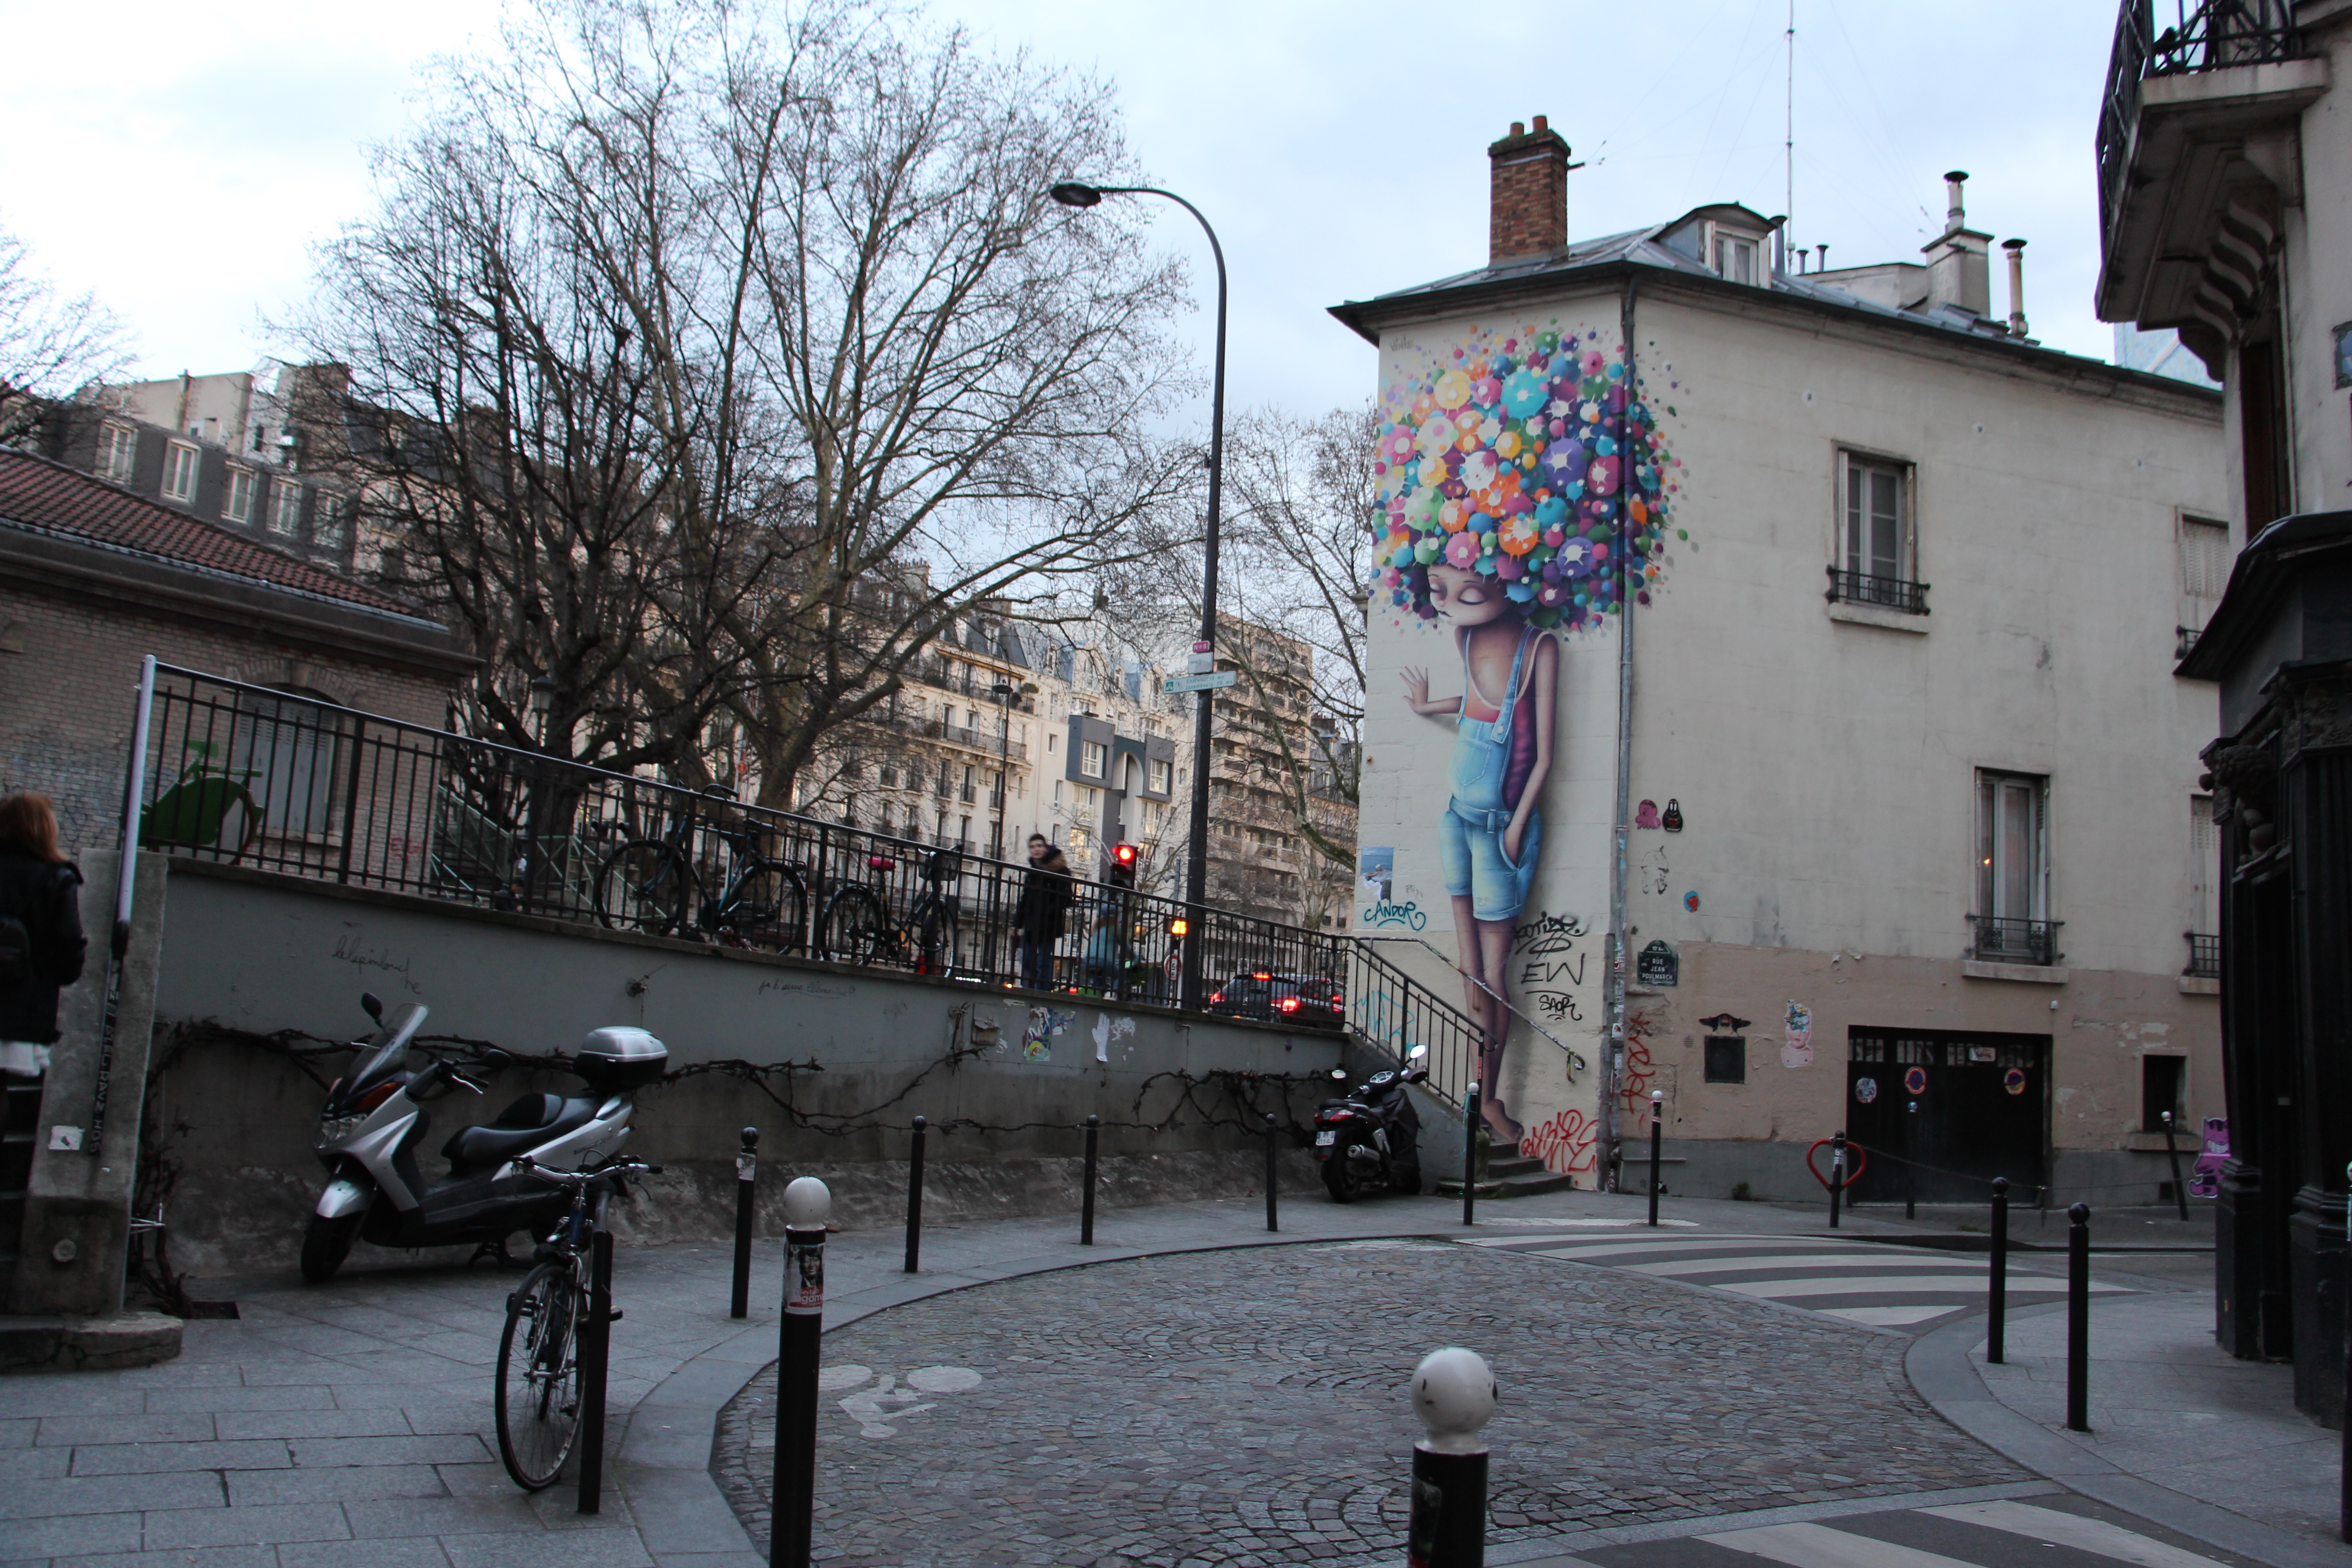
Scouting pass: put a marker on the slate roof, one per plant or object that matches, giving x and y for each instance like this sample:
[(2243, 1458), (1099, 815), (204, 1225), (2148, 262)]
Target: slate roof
[(43, 497)]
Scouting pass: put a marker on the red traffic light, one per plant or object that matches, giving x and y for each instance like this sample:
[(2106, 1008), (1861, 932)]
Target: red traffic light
[(1124, 854)]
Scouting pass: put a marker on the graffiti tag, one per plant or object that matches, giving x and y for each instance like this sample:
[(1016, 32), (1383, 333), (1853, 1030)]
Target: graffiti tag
[(1564, 1143), (1550, 968), (350, 950), (1548, 933), (1408, 914)]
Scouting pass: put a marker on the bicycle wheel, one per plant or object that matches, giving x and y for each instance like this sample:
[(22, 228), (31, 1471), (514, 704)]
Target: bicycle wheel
[(645, 885), (941, 949), (769, 910), (855, 926), (538, 1377)]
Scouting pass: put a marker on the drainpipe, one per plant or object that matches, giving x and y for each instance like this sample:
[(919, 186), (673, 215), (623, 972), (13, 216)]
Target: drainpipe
[(1612, 1056)]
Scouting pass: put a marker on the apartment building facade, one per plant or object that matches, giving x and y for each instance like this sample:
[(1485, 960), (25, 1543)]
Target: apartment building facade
[(1773, 706), (1277, 761)]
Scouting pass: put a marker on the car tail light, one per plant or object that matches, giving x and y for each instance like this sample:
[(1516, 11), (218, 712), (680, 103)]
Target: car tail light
[(1260, 975), (1289, 1004), (1216, 995)]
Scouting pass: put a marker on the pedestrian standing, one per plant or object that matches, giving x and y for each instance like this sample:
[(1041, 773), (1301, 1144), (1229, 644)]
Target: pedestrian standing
[(1046, 893), (41, 941)]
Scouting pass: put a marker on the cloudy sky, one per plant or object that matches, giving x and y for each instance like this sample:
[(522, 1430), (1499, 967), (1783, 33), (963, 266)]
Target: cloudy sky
[(181, 164)]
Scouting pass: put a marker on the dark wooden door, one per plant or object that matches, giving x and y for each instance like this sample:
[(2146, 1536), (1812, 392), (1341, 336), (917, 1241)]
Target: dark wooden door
[(1962, 1108)]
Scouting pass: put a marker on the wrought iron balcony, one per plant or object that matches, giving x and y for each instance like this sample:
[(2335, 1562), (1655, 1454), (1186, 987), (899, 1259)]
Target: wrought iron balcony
[(1999, 939), (2208, 35), (2204, 956), (2188, 636), (1883, 593)]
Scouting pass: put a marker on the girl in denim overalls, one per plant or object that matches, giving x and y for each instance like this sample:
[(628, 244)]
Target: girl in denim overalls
[(1491, 832)]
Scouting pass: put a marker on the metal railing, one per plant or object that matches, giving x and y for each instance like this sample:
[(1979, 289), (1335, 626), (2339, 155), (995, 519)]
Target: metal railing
[(2185, 641), (2206, 35), (1886, 593), (2204, 956), (290, 783), (2001, 940)]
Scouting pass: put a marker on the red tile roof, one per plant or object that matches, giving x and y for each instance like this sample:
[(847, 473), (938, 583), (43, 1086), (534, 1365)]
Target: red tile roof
[(48, 498)]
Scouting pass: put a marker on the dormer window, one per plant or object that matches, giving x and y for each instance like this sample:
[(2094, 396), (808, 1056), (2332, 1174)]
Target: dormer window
[(1734, 256)]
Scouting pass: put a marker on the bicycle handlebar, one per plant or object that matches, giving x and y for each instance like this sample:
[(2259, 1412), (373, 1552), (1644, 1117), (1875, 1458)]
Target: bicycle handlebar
[(530, 1167)]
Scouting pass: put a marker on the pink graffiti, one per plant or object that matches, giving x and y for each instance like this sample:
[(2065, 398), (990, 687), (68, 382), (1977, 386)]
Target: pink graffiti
[(2205, 1179), (1564, 1143)]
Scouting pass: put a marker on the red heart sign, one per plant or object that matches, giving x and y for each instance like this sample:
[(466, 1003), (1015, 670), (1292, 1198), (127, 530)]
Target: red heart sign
[(1861, 1161)]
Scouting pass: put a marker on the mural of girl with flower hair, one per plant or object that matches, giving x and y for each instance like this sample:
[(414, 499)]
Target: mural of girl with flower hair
[(1492, 834)]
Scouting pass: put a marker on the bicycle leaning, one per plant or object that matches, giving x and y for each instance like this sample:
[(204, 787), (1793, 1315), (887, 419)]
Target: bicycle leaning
[(860, 927), (651, 885), (539, 1352)]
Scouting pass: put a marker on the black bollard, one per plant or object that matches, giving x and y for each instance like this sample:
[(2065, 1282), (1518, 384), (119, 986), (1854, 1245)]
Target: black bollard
[(1454, 1393), (1997, 1274), (594, 1337), (2173, 1158), (2078, 1320), (1087, 1196), (1270, 1157), (799, 1340), (747, 1186), (1910, 1170), (2344, 1484), (1657, 1133), (915, 1199), (1470, 1155), (1837, 1175)]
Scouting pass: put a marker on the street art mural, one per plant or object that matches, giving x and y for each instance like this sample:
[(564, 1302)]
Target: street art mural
[(1524, 496)]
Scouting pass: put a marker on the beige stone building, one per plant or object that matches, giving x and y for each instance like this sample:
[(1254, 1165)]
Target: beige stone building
[(1277, 759)]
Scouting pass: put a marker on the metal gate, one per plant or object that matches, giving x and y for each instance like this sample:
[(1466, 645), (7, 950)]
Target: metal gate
[(1962, 1108)]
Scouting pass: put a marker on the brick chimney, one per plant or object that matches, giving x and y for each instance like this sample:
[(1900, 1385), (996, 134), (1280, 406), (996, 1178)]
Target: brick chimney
[(1528, 214)]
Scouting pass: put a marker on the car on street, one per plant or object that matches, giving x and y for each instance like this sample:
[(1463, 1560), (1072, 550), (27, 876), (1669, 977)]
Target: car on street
[(1276, 997)]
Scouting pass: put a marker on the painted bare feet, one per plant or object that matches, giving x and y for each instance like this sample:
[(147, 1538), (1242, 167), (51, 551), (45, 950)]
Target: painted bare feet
[(1505, 1129)]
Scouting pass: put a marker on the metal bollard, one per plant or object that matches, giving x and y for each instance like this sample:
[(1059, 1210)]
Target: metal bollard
[(1271, 1136), (1910, 1170), (1087, 1196), (1470, 1115), (2173, 1158), (1657, 1134), (808, 1205), (747, 1185), (594, 1337), (1837, 1175), (2078, 1320), (1454, 1393), (1997, 1274), (915, 1199), (2344, 1484)]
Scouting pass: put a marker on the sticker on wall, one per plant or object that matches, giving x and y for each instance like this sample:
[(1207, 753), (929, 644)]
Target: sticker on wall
[(1866, 1089), (1672, 821), (1646, 815), (1984, 1053), (2013, 1080), (1915, 1080), (1037, 1039), (1797, 1041), (1658, 964), (1690, 901), (2205, 1179)]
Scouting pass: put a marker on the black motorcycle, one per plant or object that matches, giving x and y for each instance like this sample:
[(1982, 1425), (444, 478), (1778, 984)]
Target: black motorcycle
[(1372, 1139)]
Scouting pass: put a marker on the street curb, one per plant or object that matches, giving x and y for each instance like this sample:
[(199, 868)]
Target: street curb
[(1940, 1370), (662, 1463)]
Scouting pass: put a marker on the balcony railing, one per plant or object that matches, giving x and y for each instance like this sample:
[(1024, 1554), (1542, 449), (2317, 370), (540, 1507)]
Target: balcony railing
[(994, 743), (2204, 956), (2206, 35), (285, 784), (1883, 593), (2186, 642), (1999, 939)]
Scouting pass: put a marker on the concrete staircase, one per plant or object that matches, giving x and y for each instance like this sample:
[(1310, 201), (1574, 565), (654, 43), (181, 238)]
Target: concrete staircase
[(1516, 1175)]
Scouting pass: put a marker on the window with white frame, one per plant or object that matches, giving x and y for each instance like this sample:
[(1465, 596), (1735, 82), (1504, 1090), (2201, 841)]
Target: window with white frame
[(180, 465), (1735, 256), (1160, 773), (330, 526), (118, 453), (285, 508), (1058, 794), (236, 500), (1093, 757), (2013, 857), (1876, 539)]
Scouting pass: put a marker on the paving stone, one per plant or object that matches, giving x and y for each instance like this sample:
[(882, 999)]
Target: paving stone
[(446, 1515), (37, 1395), (34, 1464), (313, 1452), (144, 1459), (123, 1496), (313, 1424), (208, 1397), (264, 1524), (574, 1549), (342, 1483), (1248, 1406), (66, 1536), (178, 1557), (412, 1551), (178, 1426)]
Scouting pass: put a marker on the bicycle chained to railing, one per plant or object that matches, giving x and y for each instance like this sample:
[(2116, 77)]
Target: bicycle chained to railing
[(860, 927), (651, 885), (539, 1387)]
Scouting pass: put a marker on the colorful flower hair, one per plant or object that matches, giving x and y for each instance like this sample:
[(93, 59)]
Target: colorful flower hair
[(1527, 458)]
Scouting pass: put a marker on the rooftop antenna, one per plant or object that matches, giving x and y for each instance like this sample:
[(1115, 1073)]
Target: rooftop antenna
[(1789, 122)]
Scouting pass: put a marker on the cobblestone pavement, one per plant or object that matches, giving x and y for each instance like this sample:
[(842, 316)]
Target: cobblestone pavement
[(1246, 1408)]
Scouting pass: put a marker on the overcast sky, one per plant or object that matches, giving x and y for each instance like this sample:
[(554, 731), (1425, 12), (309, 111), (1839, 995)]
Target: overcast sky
[(181, 164)]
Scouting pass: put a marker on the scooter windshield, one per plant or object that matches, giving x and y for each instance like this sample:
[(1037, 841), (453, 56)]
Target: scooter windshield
[(400, 1027)]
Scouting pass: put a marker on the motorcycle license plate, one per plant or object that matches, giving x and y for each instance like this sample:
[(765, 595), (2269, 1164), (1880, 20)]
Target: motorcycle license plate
[(1329, 1135)]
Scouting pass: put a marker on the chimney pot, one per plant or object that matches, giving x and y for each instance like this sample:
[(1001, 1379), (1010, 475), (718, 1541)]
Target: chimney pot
[(1527, 203), (2016, 249), (1956, 217)]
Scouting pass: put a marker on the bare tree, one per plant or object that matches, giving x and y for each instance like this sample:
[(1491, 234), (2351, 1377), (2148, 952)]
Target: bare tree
[(51, 347)]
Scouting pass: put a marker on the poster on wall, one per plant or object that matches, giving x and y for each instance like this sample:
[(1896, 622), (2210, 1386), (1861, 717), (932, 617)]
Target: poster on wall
[(1524, 496)]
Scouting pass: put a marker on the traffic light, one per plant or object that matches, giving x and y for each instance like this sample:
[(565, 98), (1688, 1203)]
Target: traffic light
[(1122, 865)]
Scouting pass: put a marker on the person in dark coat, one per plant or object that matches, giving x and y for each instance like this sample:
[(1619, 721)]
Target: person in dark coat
[(1045, 894), (41, 943)]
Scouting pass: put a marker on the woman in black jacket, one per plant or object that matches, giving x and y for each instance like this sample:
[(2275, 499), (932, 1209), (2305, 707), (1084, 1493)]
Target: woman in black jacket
[(41, 942), (1045, 893)]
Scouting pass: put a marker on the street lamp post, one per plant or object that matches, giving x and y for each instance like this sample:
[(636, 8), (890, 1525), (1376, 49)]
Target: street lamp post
[(1071, 194), (1003, 692)]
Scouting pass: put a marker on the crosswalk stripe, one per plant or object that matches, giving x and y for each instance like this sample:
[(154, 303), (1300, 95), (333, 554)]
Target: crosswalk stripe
[(1581, 1240), (1680, 1267), (2094, 1535), (1885, 1285), (1818, 1546)]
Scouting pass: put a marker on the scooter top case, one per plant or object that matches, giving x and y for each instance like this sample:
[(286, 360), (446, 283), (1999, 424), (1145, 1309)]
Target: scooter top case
[(617, 1060)]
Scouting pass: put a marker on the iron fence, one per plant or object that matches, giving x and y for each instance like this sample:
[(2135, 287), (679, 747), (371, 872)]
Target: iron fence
[(2204, 956), (1886, 593), (290, 783), (2001, 940)]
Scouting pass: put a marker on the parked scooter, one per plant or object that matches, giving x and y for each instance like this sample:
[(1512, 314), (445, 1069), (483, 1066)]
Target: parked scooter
[(374, 1118), (1372, 1140)]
